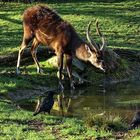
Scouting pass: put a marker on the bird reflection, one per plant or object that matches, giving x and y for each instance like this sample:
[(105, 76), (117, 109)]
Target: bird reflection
[(46, 104), (61, 103), (135, 121)]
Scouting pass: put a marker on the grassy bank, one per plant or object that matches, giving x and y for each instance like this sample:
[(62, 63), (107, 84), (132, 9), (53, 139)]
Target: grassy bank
[(118, 20)]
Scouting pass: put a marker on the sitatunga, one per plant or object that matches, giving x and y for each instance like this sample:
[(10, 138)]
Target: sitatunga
[(46, 105)]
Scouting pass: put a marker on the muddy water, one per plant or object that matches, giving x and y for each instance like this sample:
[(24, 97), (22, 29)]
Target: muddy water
[(119, 99)]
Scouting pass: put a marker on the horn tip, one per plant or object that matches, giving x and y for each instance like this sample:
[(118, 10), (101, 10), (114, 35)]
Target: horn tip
[(97, 21)]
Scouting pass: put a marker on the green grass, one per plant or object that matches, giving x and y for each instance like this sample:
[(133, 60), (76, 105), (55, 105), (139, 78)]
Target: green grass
[(106, 122), (15, 125), (118, 21), (28, 79)]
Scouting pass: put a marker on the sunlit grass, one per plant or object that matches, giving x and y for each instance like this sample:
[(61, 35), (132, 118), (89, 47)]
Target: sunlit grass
[(119, 22), (15, 125)]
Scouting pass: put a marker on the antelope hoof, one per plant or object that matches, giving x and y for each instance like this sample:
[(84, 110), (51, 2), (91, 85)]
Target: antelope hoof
[(17, 71)]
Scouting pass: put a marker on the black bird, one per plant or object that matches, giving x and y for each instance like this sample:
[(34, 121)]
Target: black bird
[(135, 121), (46, 104)]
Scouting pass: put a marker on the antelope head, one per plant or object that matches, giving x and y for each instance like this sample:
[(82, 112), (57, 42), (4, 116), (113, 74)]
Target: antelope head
[(96, 51)]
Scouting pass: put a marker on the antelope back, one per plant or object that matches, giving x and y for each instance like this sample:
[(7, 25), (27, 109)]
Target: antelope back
[(46, 25)]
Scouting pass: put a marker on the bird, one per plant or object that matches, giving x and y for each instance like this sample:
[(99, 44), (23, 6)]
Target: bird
[(46, 105), (136, 120)]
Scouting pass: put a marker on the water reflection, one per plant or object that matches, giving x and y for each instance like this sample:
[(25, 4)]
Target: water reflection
[(59, 102), (123, 99)]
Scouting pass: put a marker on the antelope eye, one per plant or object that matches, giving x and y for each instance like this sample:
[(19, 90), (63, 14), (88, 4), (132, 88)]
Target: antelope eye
[(99, 58)]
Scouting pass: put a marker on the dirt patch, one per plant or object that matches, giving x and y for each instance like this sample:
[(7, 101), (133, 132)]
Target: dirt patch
[(35, 125), (24, 94)]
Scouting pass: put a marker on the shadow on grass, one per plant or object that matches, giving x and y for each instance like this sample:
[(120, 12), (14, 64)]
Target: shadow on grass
[(122, 41), (9, 81), (5, 17), (120, 13), (84, 1), (116, 12)]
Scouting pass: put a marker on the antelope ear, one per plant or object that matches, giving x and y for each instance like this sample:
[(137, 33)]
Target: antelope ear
[(87, 48)]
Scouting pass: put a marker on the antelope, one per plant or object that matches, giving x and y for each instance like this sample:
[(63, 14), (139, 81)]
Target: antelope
[(43, 25)]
